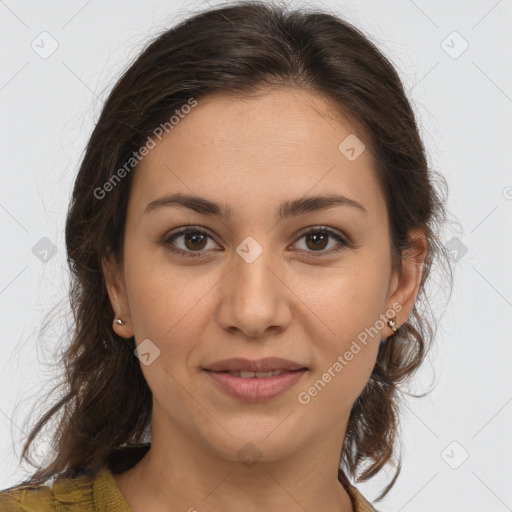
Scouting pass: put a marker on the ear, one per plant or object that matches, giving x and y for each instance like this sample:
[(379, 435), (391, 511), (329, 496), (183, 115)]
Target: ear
[(114, 279), (405, 283)]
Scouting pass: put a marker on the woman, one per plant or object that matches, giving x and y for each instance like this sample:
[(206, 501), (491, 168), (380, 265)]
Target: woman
[(250, 235)]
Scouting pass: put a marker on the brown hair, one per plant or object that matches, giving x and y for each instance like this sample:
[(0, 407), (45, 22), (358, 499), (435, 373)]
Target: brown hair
[(238, 49)]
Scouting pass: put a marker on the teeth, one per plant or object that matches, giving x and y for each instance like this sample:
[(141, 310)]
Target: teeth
[(260, 375), (263, 374)]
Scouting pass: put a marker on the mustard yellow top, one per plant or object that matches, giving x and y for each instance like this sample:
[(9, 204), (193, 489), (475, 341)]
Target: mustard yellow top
[(94, 494)]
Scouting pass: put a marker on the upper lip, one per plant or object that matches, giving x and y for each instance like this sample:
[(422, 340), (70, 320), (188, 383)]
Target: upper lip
[(261, 365)]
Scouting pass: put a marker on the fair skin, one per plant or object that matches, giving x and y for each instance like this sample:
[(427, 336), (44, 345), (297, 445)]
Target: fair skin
[(251, 154)]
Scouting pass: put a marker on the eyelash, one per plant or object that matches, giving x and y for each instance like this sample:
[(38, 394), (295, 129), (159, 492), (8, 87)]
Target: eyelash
[(343, 242)]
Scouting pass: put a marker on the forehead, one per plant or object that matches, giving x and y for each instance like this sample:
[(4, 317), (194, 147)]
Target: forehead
[(282, 141)]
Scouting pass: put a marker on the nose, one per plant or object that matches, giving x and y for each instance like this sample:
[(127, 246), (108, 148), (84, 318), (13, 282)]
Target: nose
[(254, 297)]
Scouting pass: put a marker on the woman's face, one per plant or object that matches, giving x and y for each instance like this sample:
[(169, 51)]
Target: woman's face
[(255, 285)]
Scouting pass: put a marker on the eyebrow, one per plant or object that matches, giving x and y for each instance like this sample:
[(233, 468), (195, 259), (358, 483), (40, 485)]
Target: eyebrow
[(287, 208)]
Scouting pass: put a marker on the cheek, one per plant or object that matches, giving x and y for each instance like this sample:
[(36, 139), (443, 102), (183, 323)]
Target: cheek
[(171, 312), (348, 305), (345, 300), (168, 304), (165, 306), (347, 351)]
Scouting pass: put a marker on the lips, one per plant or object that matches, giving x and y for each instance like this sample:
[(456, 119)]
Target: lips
[(259, 375), (261, 368), (255, 389)]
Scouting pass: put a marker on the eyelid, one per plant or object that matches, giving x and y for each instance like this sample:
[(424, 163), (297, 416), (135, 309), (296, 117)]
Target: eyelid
[(343, 240), (319, 227), (184, 230)]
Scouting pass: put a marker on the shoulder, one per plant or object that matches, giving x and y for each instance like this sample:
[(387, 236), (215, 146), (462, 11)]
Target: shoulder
[(95, 493), (70, 495), (25, 498)]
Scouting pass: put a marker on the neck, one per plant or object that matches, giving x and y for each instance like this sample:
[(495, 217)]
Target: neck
[(164, 484), (178, 473)]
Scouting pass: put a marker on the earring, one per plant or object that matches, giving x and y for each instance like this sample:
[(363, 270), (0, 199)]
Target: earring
[(392, 325), (119, 321)]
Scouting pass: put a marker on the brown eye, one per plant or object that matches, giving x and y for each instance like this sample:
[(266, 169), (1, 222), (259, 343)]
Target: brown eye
[(195, 241), (318, 239), (189, 241)]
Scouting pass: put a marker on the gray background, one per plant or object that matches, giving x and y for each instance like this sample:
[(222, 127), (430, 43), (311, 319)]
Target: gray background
[(50, 101)]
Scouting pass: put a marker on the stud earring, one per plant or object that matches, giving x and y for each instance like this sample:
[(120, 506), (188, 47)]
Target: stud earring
[(392, 325), (119, 321)]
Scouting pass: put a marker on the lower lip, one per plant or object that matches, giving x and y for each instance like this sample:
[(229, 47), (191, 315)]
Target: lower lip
[(255, 389)]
